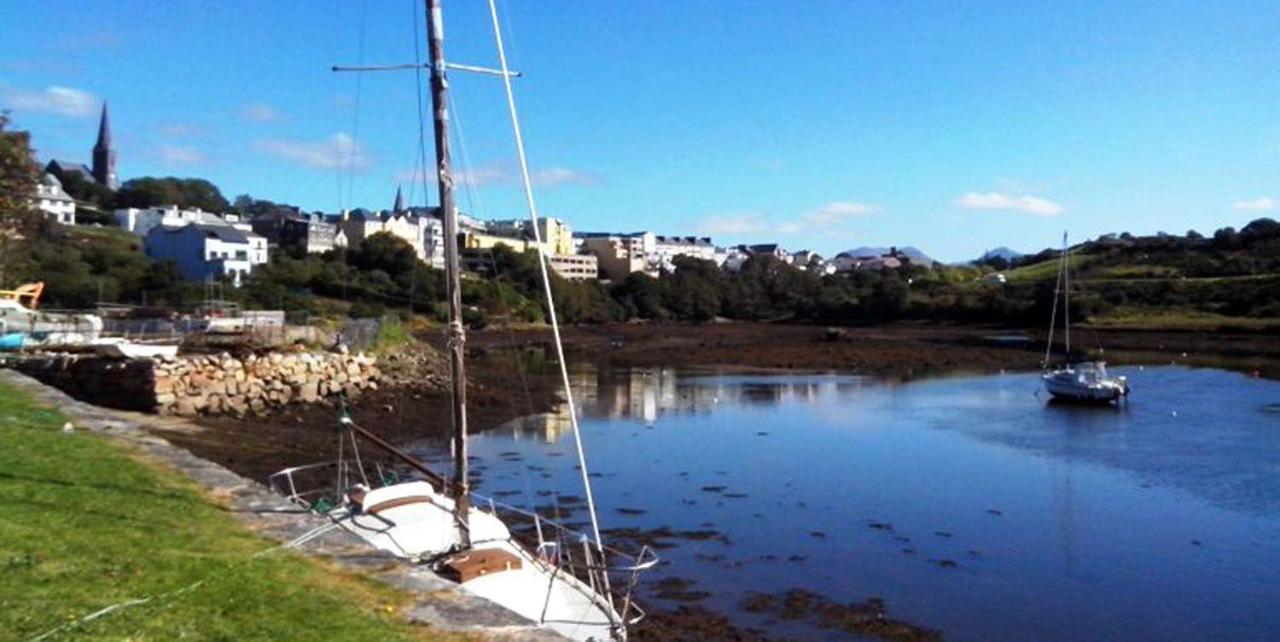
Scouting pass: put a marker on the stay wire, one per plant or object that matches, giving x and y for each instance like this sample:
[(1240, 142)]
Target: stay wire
[(546, 282)]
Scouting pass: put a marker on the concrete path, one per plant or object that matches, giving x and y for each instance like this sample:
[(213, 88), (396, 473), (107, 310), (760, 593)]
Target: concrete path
[(438, 602)]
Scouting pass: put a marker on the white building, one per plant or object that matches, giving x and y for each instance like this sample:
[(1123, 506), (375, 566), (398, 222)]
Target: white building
[(667, 248), (576, 267), (208, 252), (419, 227), (54, 202), (618, 255), (140, 221)]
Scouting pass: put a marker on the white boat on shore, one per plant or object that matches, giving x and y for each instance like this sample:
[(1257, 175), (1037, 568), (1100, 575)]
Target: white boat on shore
[(125, 349), (553, 576), (1076, 380)]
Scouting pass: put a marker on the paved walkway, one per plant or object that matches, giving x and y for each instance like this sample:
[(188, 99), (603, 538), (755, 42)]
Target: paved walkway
[(438, 602)]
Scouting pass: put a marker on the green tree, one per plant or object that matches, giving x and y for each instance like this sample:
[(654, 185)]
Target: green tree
[(184, 192), (386, 252), (18, 176)]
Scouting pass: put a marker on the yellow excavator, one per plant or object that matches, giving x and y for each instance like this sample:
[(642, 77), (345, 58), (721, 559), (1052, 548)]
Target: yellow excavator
[(30, 292)]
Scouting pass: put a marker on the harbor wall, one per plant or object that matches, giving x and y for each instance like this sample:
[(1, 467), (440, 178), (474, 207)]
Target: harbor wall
[(205, 384)]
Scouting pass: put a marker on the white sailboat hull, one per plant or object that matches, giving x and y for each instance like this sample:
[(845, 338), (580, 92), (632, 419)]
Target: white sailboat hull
[(413, 521), (1085, 383)]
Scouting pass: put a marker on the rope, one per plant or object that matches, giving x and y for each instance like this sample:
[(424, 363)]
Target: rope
[(294, 543), (546, 283)]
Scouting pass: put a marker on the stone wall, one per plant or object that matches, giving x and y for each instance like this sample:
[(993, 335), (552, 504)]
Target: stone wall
[(205, 384)]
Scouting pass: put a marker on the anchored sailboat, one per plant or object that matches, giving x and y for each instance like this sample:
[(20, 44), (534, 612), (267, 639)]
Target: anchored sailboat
[(1075, 380), (535, 567)]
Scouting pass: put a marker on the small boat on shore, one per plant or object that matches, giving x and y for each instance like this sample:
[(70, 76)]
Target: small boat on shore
[(126, 349), (1075, 380)]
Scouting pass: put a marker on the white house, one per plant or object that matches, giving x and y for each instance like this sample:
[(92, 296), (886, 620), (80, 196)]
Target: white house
[(54, 202), (419, 227), (140, 221), (618, 255), (208, 252), (667, 248)]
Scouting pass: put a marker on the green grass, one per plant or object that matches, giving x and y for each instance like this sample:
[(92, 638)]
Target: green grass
[(1177, 319), (86, 525), (1046, 269), (392, 335)]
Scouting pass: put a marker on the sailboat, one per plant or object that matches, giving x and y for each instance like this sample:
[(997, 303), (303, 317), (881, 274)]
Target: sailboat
[(1075, 380), (542, 570)]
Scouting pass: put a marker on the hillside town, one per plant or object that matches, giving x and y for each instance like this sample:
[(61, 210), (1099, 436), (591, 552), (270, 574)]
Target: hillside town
[(613, 321), (227, 246)]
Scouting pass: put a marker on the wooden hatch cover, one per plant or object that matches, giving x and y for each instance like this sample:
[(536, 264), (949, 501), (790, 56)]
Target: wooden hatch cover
[(468, 565)]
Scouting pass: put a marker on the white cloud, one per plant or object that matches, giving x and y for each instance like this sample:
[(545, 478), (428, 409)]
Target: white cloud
[(825, 218), (340, 150), (1256, 205), (560, 176), (180, 130), (997, 201), (260, 113), (64, 101), (178, 155), (506, 174), (734, 224), (829, 215)]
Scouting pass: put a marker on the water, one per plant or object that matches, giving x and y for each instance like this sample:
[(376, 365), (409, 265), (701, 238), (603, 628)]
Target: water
[(1156, 520)]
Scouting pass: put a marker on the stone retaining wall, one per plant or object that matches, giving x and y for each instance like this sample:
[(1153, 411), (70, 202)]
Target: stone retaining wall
[(205, 384)]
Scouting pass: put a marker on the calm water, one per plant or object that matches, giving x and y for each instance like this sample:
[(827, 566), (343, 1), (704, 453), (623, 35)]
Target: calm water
[(1158, 520)]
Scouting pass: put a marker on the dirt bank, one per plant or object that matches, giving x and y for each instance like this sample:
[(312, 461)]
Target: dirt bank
[(898, 350), (255, 447)]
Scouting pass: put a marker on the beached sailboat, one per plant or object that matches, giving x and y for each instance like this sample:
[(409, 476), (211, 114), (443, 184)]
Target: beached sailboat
[(1078, 380), (542, 570)]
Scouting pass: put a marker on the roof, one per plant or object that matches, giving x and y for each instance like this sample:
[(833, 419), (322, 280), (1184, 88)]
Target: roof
[(224, 233), (685, 240), (605, 235), (61, 166)]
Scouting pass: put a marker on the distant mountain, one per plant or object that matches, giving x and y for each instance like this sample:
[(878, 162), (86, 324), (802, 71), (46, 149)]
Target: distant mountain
[(1000, 252), (916, 255)]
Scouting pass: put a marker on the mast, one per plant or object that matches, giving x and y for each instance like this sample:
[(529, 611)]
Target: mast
[(1066, 294), (457, 335)]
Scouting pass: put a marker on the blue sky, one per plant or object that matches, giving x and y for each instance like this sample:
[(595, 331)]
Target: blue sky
[(954, 127)]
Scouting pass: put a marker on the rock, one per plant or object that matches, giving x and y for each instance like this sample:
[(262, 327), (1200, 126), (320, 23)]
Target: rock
[(309, 392)]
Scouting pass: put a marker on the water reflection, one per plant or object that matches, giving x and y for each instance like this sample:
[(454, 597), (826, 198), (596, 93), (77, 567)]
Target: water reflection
[(648, 394), (968, 503)]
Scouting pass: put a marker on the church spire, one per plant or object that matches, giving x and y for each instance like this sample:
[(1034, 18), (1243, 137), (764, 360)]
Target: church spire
[(399, 206), (104, 155), (104, 128)]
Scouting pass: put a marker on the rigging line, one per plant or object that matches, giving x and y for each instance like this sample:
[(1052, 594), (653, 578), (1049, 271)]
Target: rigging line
[(546, 283), (1066, 294), (337, 88), (420, 162), (355, 116), (1053, 316), (468, 186)]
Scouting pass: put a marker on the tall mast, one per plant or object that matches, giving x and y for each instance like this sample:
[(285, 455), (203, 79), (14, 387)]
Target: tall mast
[(1066, 294), (457, 335)]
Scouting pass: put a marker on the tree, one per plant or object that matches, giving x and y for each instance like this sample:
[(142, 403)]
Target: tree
[(18, 176), (183, 192), (386, 252)]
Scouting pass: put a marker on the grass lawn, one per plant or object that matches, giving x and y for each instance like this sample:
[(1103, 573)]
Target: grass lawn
[(86, 525), (1144, 318)]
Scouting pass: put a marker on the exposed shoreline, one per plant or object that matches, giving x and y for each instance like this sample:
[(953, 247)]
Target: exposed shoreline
[(510, 376)]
